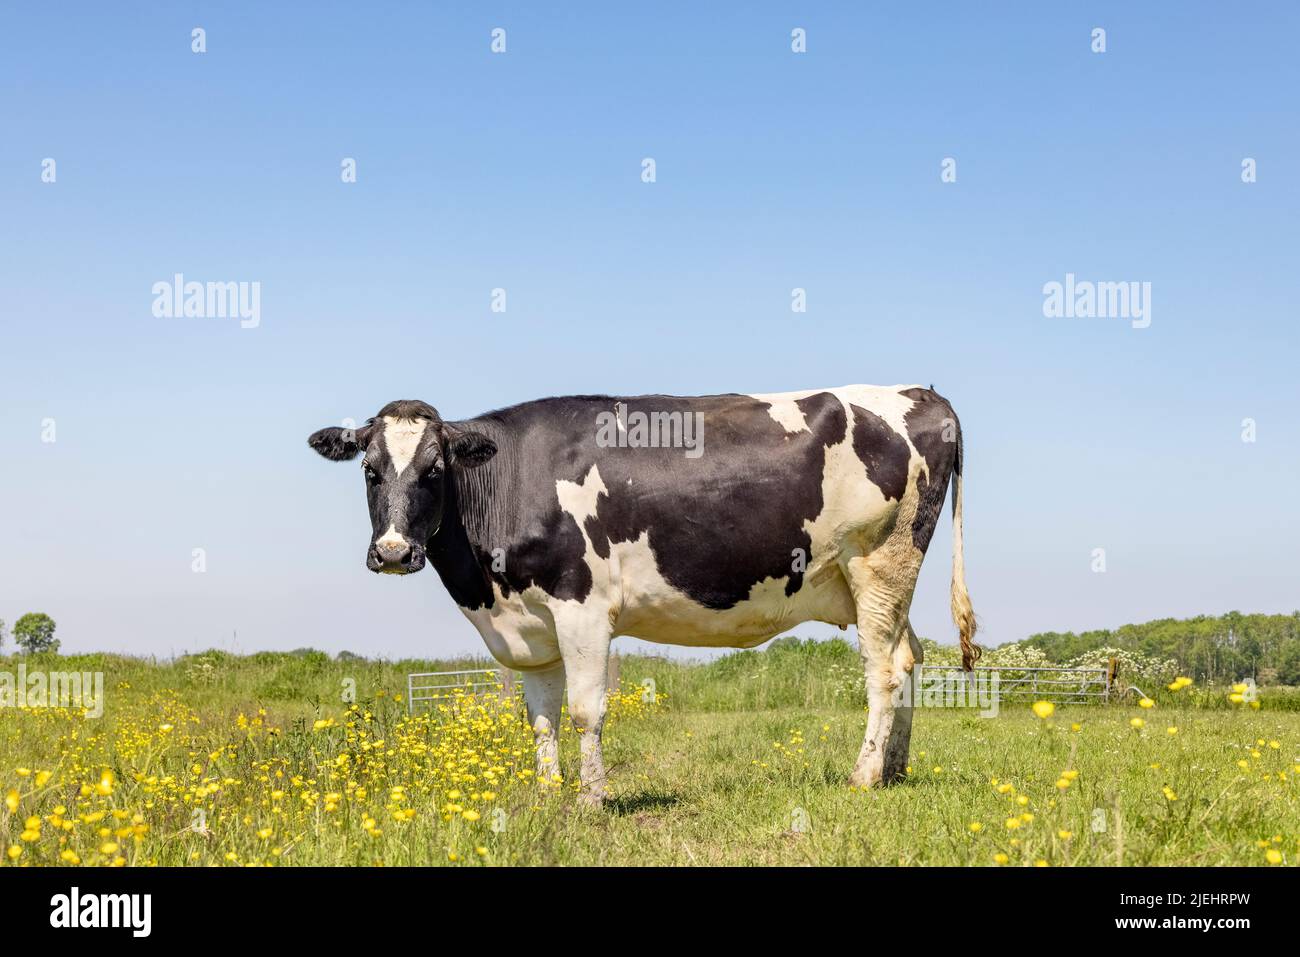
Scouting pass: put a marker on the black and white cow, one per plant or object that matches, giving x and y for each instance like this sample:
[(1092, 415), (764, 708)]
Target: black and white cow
[(711, 521)]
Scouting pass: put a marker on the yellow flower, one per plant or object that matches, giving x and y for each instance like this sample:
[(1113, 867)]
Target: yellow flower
[(1136, 722), (14, 852), (1013, 823), (1044, 709), (470, 815), (1146, 703), (1273, 856), (976, 827), (108, 848), (106, 780), (1171, 730), (1064, 835), (11, 801), (1000, 858)]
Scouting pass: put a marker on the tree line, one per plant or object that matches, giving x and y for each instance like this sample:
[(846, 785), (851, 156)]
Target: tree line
[(1209, 648)]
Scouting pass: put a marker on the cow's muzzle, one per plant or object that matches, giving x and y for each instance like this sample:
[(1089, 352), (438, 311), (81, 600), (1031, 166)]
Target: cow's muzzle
[(395, 558)]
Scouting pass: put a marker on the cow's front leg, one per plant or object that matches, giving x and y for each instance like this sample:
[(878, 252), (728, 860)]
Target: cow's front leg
[(585, 663), (543, 697)]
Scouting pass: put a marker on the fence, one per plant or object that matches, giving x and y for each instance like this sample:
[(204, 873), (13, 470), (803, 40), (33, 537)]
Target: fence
[(430, 687), (1059, 685)]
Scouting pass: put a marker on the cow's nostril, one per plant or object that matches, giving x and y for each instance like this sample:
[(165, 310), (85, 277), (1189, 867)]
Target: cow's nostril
[(393, 553)]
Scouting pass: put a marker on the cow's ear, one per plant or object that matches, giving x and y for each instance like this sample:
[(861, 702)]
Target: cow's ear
[(469, 449), (338, 444)]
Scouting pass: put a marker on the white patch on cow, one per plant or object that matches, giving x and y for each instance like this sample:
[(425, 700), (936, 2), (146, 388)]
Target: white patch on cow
[(519, 630), (402, 439), (886, 401), (855, 514), (391, 538), (782, 407), (579, 500)]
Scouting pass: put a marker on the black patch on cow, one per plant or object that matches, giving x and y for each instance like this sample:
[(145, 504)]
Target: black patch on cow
[(717, 525), (883, 451), (502, 521), (934, 430)]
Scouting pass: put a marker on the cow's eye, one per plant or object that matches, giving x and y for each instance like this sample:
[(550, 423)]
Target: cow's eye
[(371, 474), (435, 473)]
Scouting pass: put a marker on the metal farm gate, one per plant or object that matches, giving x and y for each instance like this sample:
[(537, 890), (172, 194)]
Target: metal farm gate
[(1058, 685), (430, 687)]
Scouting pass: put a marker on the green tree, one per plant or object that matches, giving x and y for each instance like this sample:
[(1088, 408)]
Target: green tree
[(34, 632), (1288, 665)]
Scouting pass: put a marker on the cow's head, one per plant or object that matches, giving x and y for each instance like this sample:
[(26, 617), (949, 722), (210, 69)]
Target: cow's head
[(408, 451)]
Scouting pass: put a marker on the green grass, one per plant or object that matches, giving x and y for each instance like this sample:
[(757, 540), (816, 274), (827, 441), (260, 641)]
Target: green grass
[(690, 790), (744, 763)]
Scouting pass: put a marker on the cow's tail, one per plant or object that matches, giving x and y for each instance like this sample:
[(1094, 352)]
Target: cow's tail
[(963, 614)]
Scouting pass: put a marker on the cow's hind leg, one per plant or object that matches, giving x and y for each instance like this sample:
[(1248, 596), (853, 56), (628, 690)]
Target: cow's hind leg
[(907, 655), (544, 697), (882, 592)]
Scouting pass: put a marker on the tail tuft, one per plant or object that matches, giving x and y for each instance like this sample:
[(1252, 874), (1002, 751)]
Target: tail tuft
[(963, 614)]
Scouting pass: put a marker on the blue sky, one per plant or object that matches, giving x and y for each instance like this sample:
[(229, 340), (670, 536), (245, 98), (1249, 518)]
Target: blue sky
[(522, 171)]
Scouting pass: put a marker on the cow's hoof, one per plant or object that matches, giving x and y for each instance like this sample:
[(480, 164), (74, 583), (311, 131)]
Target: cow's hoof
[(866, 777)]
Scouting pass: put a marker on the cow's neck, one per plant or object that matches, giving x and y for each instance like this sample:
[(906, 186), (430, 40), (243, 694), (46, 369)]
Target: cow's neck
[(461, 552)]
